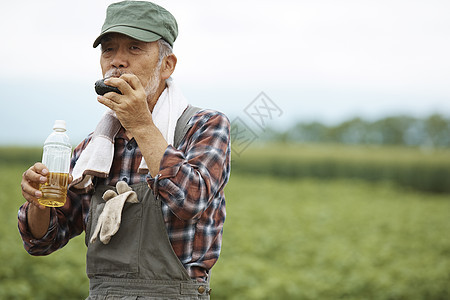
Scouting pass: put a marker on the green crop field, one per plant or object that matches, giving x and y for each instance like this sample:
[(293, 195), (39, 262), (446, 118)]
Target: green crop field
[(285, 237), (338, 239)]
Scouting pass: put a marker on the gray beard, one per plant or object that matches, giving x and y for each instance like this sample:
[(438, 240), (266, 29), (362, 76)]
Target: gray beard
[(153, 84)]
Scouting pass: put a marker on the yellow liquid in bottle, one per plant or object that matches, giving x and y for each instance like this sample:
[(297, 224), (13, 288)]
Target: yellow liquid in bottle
[(54, 191)]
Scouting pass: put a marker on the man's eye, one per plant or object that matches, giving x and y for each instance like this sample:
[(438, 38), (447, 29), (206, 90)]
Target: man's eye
[(106, 50), (134, 48)]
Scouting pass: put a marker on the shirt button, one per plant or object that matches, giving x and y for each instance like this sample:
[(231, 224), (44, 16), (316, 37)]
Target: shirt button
[(129, 147), (125, 179), (201, 289)]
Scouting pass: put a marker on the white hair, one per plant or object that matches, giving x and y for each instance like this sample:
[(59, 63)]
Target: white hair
[(164, 50)]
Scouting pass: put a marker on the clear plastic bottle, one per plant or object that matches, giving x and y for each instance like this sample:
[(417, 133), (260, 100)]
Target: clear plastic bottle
[(56, 157)]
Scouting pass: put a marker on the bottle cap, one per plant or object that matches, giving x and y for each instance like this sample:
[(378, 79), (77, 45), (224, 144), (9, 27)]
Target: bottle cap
[(60, 125)]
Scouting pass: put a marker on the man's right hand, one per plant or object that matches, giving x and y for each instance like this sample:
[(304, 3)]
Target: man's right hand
[(38, 215), (31, 179)]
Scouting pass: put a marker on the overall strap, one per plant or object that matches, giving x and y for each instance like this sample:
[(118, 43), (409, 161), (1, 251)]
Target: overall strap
[(182, 124)]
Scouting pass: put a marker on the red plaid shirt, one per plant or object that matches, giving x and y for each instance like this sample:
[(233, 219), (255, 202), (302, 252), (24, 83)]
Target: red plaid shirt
[(190, 184)]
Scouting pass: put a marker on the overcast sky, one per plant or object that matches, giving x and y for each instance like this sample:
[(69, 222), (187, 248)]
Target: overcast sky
[(317, 60)]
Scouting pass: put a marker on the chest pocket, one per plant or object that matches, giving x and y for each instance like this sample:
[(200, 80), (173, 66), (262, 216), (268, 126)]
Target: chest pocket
[(120, 256)]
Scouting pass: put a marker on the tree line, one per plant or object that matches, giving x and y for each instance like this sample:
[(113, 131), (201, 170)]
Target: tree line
[(432, 131)]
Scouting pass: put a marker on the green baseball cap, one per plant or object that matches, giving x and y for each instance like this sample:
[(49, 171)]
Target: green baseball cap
[(141, 20)]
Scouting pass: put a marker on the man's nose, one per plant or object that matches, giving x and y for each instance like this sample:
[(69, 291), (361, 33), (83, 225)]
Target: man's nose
[(120, 59)]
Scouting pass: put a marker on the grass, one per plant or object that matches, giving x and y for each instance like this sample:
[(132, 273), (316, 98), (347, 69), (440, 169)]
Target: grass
[(339, 239)]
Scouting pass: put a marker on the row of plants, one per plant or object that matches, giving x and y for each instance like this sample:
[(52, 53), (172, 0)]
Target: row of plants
[(425, 170)]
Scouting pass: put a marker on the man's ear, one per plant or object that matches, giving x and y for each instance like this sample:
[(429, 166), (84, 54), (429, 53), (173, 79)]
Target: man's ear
[(168, 66)]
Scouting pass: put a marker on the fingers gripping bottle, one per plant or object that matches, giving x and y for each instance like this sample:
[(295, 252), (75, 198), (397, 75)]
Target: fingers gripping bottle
[(56, 157)]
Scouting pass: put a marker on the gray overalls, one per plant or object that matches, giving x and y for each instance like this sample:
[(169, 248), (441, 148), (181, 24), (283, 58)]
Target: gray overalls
[(139, 262)]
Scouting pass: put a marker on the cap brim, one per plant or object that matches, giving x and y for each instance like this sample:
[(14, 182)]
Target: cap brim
[(135, 33)]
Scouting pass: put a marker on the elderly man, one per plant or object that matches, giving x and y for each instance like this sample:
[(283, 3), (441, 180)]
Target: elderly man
[(168, 160)]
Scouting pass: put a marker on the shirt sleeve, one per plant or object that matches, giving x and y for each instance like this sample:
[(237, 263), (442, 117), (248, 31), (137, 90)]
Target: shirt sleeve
[(65, 222), (192, 175)]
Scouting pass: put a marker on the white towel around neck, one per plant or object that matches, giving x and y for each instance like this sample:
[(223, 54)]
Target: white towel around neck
[(97, 157)]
